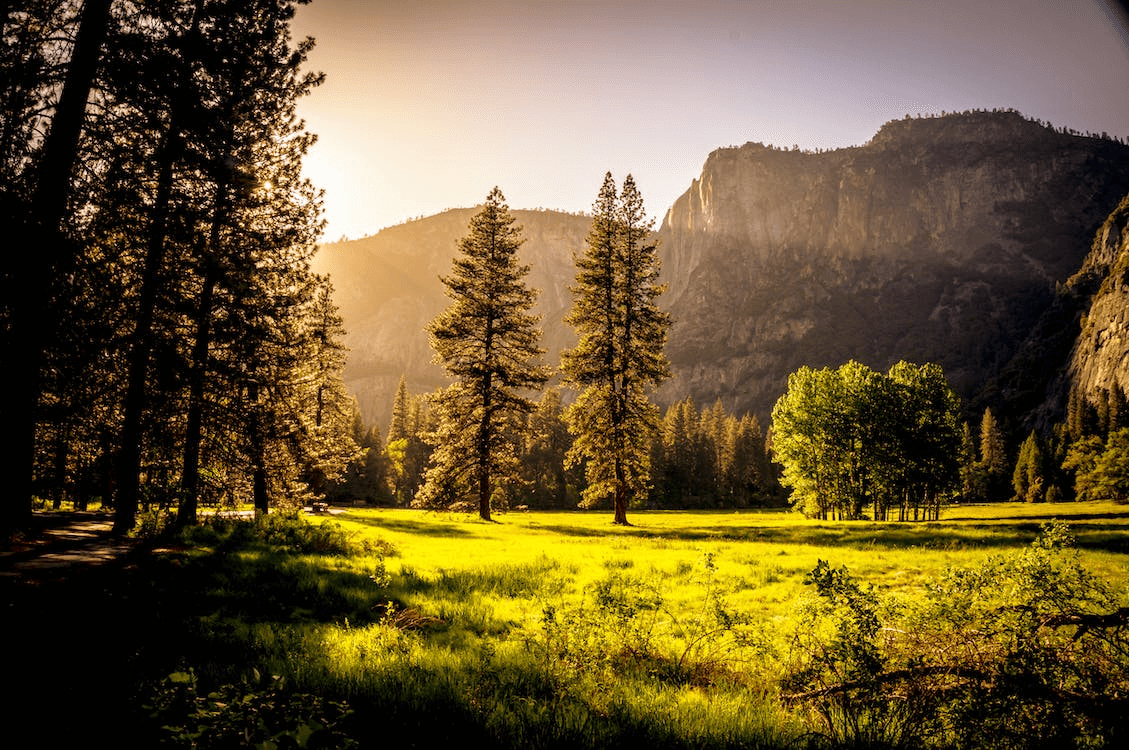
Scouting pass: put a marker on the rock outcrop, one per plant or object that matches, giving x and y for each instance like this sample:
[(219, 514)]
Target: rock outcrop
[(1101, 355), (941, 239)]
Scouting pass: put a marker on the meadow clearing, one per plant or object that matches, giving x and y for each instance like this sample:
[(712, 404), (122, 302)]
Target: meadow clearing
[(546, 629)]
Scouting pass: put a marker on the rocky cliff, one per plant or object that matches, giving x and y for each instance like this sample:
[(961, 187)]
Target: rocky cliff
[(941, 239), (387, 287), (955, 240), (1101, 354)]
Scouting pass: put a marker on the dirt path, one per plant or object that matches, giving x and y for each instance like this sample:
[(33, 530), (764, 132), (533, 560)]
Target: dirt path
[(59, 542)]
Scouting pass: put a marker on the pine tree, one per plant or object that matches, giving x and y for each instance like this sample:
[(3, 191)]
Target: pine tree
[(993, 457), (399, 429), (488, 340), (34, 200), (619, 356), (546, 445)]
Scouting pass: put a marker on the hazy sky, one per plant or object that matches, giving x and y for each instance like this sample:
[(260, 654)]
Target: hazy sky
[(430, 103)]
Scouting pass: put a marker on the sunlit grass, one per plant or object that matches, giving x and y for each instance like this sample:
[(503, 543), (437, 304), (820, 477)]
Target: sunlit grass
[(559, 628)]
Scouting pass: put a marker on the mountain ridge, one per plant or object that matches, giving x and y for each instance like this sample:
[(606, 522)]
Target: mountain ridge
[(940, 239)]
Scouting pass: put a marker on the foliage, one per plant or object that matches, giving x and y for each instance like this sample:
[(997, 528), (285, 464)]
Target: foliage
[(487, 340), (1023, 650), (621, 334), (1101, 468), (851, 437), (710, 458), (170, 323), (258, 712), (282, 532)]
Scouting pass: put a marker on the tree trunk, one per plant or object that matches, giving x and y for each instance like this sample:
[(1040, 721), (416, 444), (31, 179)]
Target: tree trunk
[(129, 460), (258, 453), (30, 324), (620, 494), (190, 476)]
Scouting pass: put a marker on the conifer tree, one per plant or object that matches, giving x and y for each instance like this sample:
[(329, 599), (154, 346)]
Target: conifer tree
[(619, 356), (1029, 477), (993, 457), (488, 340), (398, 428)]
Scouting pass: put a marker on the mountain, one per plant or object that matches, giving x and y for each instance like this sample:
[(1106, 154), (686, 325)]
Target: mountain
[(941, 239), (388, 289), (1100, 357), (957, 239)]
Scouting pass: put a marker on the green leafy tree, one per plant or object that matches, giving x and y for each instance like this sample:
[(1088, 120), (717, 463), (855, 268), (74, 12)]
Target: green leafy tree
[(1101, 469), (1029, 479), (929, 436), (619, 356), (851, 437), (488, 340)]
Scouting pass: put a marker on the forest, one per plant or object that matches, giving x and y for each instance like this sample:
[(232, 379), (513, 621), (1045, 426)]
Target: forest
[(536, 554)]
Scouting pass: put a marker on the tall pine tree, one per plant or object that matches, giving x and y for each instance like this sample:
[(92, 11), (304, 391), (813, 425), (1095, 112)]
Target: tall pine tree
[(619, 356), (488, 340)]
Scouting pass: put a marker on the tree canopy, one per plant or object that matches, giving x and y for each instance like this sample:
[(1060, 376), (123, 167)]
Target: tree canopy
[(488, 340), (852, 439)]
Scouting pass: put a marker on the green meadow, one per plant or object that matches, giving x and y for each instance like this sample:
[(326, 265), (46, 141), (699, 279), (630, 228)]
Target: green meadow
[(686, 629), (560, 629)]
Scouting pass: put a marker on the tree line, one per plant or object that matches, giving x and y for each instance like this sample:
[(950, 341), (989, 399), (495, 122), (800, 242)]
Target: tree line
[(485, 440), (853, 443), (700, 458), (165, 340)]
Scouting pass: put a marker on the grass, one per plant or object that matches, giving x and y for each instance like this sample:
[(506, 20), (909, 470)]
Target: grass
[(538, 630)]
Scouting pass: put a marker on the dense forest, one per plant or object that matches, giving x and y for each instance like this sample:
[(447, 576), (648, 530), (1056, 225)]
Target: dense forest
[(169, 347), (165, 340)]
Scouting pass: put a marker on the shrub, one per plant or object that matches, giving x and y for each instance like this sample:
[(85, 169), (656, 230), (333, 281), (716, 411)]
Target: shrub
[(1024, 650), (284, 532), (258, 712)]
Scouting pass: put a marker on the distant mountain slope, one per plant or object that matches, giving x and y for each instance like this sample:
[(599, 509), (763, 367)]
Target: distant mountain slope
[(387, 287), (941, 239), (946, 239), (1101, 355)]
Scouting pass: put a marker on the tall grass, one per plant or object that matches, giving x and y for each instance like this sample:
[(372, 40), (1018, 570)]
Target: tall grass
[(558, 629)]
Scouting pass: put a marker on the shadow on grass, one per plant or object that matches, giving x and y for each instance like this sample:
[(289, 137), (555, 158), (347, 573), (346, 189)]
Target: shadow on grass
[(427, 527), (270, 586), (974, 534)]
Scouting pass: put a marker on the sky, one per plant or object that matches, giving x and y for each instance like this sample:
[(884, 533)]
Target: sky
[(428, 104)]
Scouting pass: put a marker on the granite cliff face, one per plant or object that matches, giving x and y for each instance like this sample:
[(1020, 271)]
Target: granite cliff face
[(387, 288), (955, 240), (940, 240), (1101, 354)]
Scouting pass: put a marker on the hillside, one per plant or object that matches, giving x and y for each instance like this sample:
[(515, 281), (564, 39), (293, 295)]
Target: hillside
[(387, 287), (942, 239)]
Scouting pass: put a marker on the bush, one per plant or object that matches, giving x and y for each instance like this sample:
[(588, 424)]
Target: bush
[(283, 532), (258, 712), (1024, 650)]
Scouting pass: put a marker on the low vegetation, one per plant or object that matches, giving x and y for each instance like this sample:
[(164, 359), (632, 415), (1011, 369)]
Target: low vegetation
[(998, 626)]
